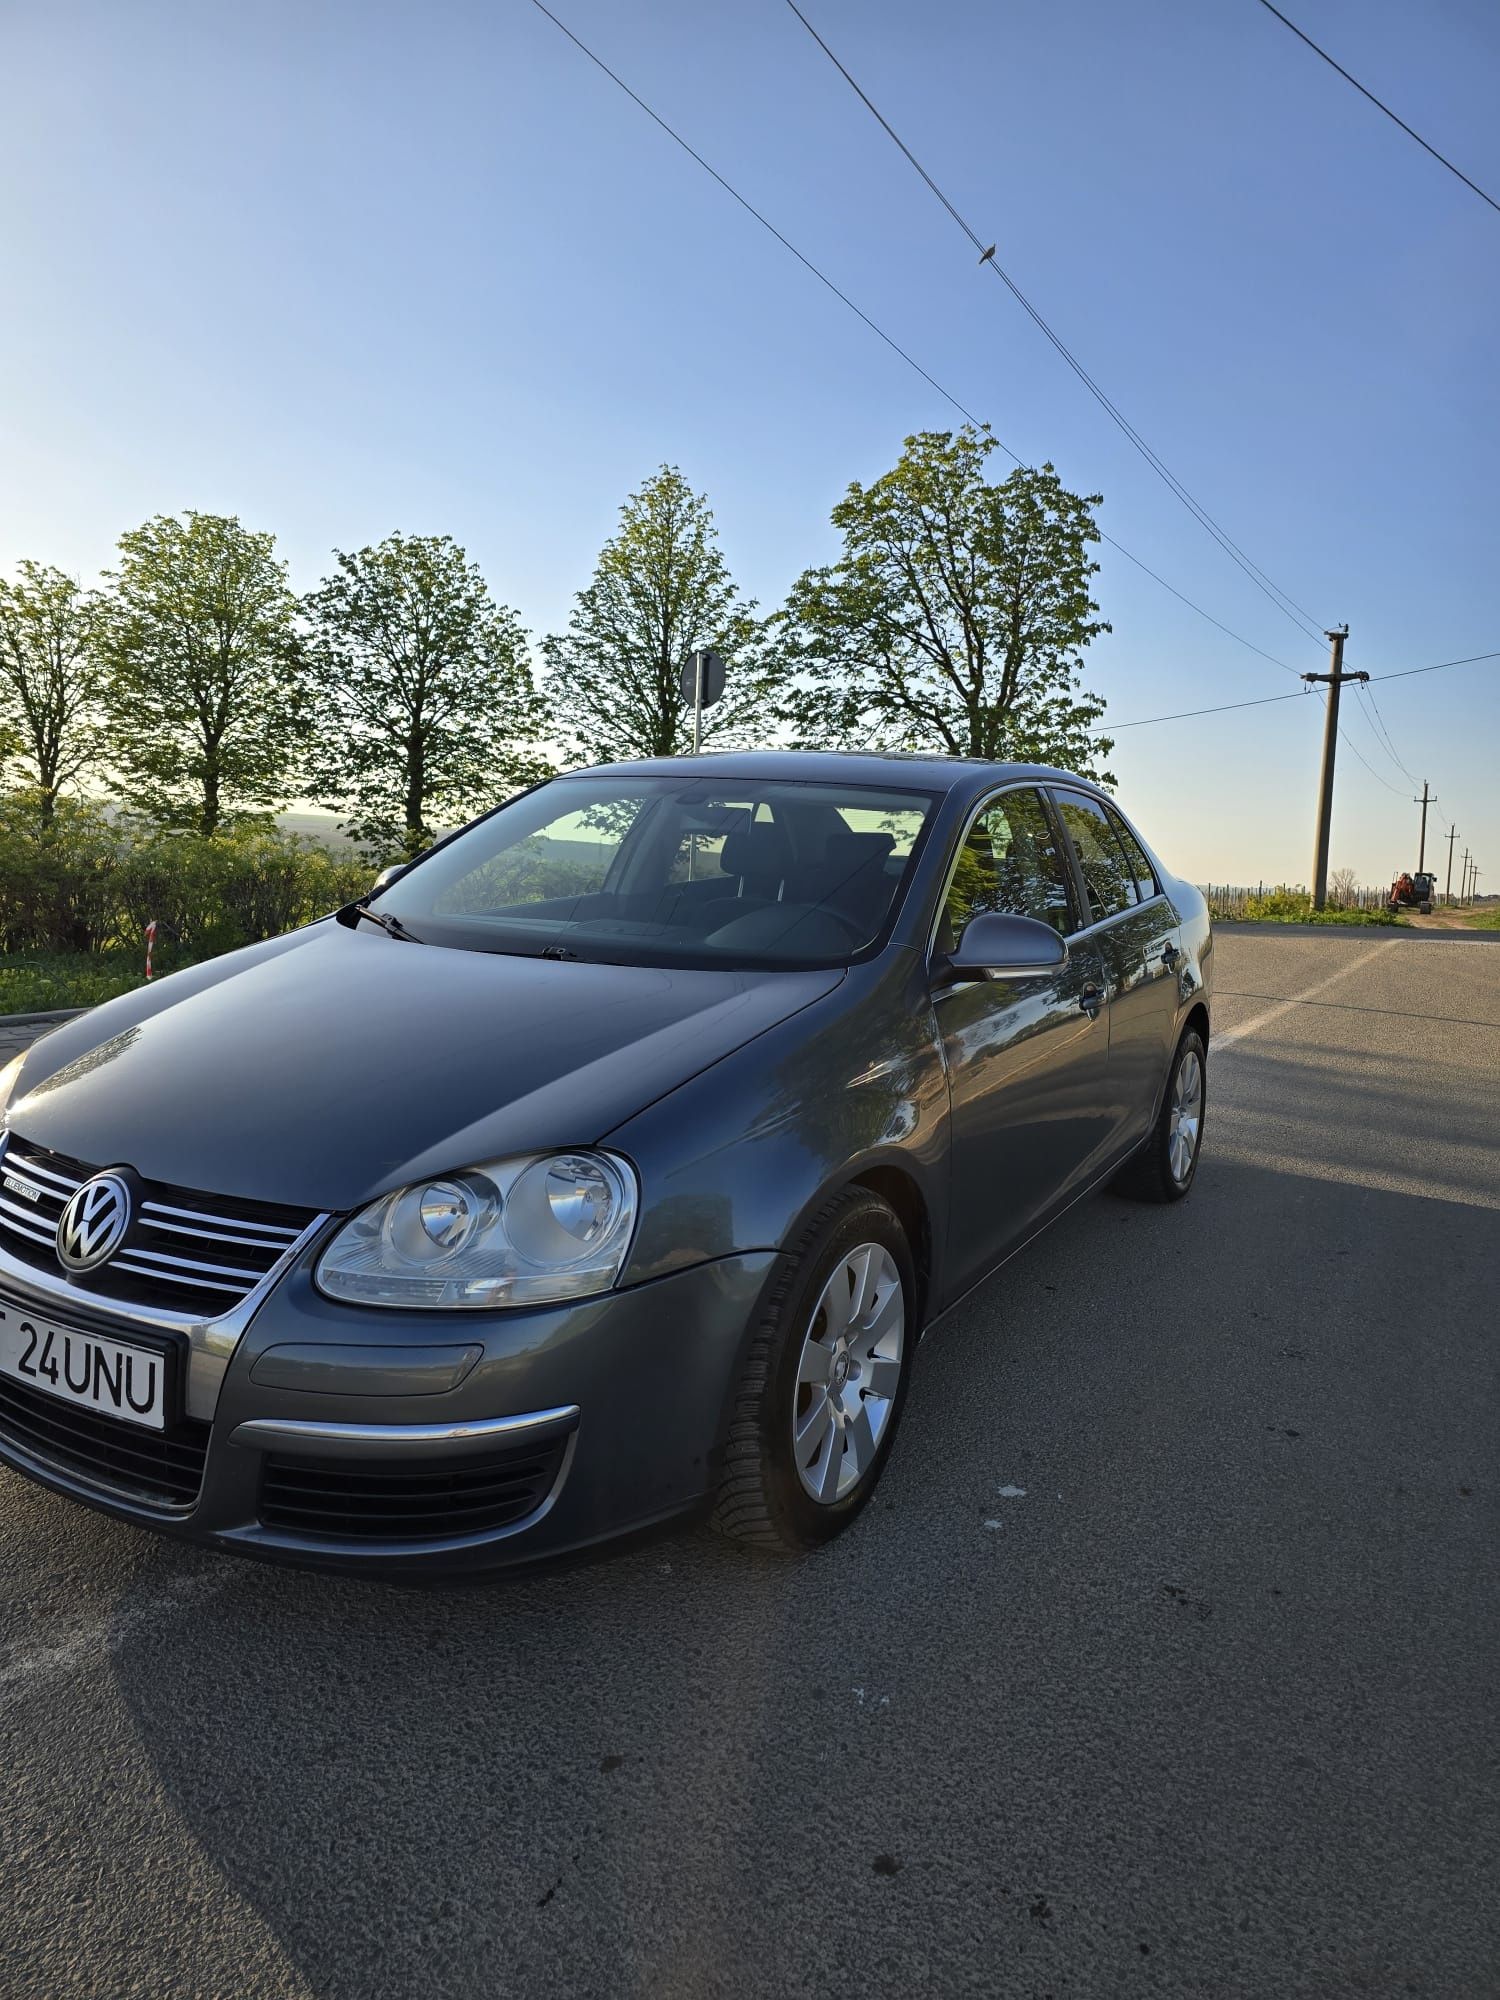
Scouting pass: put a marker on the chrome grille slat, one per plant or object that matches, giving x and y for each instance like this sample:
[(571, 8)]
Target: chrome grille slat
[(28, 1222), (183, 1276), (126, 1261), (277, 1235), (39, 1187), (31, 1171), (161, 1259), (215, 1235)]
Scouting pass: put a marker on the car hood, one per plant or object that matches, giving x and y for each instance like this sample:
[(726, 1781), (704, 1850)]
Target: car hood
[(324, 1068)]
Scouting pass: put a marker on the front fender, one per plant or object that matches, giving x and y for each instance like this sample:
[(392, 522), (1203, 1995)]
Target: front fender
[(733, 1160)]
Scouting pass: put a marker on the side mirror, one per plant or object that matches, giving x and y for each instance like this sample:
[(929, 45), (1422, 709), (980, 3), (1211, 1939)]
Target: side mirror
[(995, 946), (387, 876)]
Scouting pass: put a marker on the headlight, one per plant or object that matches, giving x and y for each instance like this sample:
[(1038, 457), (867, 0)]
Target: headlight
[(511, 1233), (8, 1076)]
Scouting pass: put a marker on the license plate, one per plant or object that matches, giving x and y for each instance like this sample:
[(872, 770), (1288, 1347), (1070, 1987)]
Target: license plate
[(85, 1368)]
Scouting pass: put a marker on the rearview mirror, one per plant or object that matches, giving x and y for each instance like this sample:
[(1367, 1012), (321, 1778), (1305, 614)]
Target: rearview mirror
[(996, 946), (387, 876)]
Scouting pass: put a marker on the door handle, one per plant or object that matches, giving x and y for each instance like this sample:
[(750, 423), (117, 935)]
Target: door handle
[(1091, 999)]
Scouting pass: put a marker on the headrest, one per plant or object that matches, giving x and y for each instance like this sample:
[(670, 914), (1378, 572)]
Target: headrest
[(845, 854), (755, 850)]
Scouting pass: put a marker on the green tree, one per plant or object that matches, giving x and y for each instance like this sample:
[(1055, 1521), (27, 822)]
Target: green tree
[(956, 618), (204, 681), (431, 714), (661, 589), (49, 705)]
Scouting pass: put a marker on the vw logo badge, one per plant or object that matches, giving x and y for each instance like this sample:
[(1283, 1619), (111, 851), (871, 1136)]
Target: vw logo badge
[(93, 1225)]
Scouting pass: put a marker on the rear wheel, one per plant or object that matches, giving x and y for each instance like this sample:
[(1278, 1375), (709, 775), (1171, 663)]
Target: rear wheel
[(1163, 1168), (824, 1382)]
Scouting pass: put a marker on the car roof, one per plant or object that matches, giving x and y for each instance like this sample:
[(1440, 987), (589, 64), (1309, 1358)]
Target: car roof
[(907, 771)]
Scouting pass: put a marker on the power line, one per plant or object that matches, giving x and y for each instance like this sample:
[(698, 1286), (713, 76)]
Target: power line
[(1190, 604), (1303, 619), (1370, 709), (1265, 701), (844, 299), (1379, 106), (1355, 750), (1407, 672), (1181, 714), (786, 244)]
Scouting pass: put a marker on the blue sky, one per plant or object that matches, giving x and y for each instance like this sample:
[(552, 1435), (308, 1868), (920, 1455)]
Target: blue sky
[(346, 268)]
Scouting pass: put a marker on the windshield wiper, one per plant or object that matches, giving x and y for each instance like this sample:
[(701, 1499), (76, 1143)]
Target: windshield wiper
[(392, 926)]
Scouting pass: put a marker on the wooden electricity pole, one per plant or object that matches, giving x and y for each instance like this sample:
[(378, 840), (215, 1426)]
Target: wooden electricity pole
[(1424, 802), (1335, 677), (1451, 837)]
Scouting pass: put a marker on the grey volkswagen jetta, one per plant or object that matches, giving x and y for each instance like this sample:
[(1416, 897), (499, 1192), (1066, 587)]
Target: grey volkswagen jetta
[(604, 1165)]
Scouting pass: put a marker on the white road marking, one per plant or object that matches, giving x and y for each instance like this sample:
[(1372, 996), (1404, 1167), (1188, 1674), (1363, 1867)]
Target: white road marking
[(104, 1636), (1229, 1036)]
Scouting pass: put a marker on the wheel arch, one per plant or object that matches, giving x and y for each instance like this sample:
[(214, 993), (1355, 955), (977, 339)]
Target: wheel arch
[(903, 1195)]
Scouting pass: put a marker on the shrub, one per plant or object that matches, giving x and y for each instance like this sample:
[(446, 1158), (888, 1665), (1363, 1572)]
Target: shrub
[(1279, 906), (86, 885), (1294, 906), (57, 886)]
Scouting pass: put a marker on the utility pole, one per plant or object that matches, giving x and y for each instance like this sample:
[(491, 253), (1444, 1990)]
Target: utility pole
[(1463, 880), (1424, 802), (1335, 677), (1451, 836)]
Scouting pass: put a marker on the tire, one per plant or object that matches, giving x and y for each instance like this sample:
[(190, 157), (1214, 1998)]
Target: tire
[(765, 1492), (1150, 1173)]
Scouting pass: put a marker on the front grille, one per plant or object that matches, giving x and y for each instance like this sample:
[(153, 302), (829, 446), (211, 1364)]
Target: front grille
[(426, 1500), (192, 1253), (160, 1466)]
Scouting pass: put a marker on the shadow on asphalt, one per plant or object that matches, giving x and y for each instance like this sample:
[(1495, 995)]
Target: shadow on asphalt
[(1201, 1709)]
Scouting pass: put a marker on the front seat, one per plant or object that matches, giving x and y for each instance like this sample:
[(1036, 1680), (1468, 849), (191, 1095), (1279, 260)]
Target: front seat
[(757, 858), (851, 880)]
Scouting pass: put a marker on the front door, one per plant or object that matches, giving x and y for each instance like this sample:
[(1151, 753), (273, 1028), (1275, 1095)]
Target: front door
[(1026, 1058)]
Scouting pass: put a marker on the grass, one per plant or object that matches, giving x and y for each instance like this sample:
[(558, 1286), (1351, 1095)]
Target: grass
[(1482, 920), (36, 982)]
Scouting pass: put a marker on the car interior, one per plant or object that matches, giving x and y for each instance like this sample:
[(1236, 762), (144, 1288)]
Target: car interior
[(776, 874)]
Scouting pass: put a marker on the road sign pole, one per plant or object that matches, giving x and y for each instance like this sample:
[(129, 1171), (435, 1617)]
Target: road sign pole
[(701, 680)]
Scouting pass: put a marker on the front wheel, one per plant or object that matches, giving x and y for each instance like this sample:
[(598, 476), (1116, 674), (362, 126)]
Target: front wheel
[(824, 1381), (1163, 1168)]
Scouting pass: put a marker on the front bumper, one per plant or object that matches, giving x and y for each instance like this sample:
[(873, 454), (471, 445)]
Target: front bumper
[(605, 1416)]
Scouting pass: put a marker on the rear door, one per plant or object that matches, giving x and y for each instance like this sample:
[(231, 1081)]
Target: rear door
[(1136, 929), (1027, 1058)]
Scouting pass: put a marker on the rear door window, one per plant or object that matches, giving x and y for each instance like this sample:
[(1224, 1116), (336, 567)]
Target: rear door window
[(1107, 876), (1146, 884)]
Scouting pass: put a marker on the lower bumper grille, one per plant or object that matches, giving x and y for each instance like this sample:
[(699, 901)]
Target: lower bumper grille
[(164, 1467), (433, 1499)]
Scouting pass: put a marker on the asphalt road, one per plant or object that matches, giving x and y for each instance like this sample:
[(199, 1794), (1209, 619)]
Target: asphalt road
[(1206, 1708)]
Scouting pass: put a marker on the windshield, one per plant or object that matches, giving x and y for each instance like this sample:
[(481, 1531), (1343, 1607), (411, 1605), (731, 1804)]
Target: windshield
[(671, 871)]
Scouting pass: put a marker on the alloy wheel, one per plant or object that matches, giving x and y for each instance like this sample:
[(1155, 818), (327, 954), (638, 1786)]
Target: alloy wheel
[(848, 1373), (1185, 1121)]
